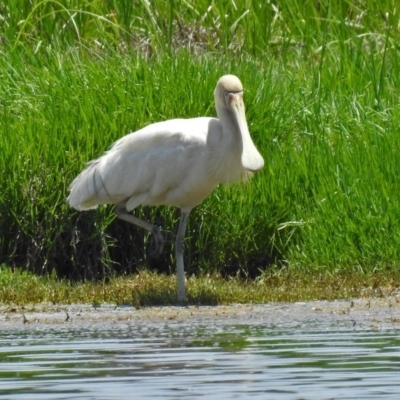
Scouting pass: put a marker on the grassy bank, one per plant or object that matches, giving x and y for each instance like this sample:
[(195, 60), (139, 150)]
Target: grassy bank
[(21, 288), (321, 84)]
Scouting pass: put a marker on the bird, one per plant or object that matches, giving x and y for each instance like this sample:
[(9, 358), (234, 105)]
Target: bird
[(177, 162)]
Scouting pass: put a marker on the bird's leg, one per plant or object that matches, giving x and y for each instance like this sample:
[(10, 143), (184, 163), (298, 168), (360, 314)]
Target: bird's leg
[(158, 238), (179, 250)]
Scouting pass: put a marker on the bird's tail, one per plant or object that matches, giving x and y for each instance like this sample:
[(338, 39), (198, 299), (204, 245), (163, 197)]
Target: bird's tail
[(85, 188)]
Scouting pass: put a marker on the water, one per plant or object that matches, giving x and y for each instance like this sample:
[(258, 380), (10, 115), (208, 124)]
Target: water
[(315, 354)]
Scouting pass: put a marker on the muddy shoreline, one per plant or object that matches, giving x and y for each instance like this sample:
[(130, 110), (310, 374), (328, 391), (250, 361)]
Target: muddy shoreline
[(366, 314)]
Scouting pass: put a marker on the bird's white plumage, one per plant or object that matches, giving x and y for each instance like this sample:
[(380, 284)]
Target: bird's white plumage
[(177, 162)]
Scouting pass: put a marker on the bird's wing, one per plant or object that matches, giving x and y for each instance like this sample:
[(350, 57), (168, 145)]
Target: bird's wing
[(146, 163)]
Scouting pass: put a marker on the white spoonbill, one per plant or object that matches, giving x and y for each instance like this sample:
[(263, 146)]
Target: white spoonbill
[(177, 163)]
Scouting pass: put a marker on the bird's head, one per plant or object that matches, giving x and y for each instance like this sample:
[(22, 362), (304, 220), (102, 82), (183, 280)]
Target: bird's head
[(230, 107), (228, 89)]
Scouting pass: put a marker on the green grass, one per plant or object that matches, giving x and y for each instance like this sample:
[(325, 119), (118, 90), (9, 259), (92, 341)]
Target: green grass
[(321, 82)]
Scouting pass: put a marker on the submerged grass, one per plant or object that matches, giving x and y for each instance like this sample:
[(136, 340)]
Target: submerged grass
[(321, 82)]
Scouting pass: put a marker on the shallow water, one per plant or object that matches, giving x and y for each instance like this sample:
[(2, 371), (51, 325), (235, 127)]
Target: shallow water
[(316, 358)]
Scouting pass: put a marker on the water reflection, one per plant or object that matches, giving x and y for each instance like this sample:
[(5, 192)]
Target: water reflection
[(193, 360)]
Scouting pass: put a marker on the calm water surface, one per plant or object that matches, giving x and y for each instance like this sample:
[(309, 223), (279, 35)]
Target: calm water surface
[(318, 359)]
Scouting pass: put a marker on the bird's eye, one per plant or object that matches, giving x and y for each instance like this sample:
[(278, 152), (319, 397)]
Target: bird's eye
[(226, 98)]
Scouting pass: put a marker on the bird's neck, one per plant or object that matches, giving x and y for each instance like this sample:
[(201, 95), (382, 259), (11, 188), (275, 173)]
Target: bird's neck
[(227, 163), (230, 130)]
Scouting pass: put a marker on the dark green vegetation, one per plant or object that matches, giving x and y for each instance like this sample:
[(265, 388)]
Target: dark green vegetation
[(322, 83)]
